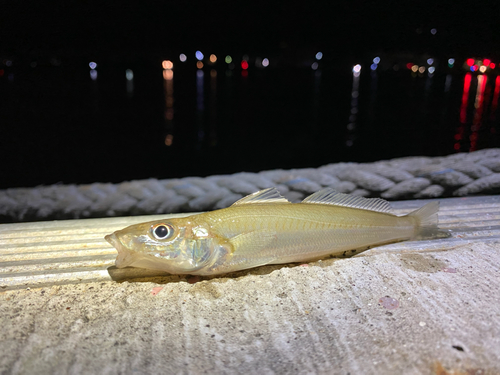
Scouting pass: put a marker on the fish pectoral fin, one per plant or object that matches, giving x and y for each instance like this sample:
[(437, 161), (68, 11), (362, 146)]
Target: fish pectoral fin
[(252, 249)]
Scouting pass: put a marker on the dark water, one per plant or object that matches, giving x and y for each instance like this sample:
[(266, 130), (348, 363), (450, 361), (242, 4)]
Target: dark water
[(59, 125)]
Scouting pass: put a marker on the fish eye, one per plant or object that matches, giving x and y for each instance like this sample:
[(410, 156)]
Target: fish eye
[(162, 231)]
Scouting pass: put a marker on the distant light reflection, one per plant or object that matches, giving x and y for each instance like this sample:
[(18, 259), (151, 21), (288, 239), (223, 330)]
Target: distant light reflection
[(213, 58), (129, 75), (430, 61), (93, 75), (376, 60), (265, 62), (167, 64), (169, 139), (356, 70), (482, 68), (314, 65), (465, 98), (199, 55), (373, 66), (182, 57), (92, 65), (433, 31), (478, 113), (168, 75), (319, 55), (244, 65), (431, 69), (199, 64), (447, 83), (421, 69), (351, 126), (228, 59), (200, 104)]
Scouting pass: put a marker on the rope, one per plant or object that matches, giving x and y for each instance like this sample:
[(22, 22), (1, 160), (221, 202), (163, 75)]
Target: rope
[(403, 178)]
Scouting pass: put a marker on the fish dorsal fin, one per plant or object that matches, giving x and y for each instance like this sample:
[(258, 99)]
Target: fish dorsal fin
[(330, 196), (270, 195)]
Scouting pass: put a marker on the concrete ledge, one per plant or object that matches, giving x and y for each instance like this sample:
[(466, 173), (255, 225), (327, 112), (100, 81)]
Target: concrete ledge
[(408, 308)]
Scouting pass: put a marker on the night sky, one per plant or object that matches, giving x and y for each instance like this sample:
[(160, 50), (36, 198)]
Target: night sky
[(122, 28)]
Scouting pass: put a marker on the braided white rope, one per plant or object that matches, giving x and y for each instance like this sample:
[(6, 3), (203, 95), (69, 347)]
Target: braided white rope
[(404, 178)]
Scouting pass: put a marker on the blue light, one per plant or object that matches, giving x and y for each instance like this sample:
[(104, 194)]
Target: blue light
[(376, 60), (373, 66), (199, 55), (430, 61), (319, 55), (92, 65)]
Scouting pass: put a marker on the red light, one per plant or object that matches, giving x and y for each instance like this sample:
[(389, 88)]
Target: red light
[(492, 65), (470, 62), (1, 72), (409, 65), (244, 65), (458, 137), (457, 146), (473, 68), (486, 62)]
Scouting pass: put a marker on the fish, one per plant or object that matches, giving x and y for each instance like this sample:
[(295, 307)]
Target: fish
[(265, 228)]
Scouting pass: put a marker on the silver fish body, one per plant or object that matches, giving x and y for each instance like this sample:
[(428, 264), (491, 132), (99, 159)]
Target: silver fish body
[(264, 228)]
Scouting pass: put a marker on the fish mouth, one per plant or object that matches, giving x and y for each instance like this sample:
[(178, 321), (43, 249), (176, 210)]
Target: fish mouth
[(125, 256)]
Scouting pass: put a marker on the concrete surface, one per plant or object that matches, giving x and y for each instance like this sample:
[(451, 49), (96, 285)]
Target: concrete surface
[(409, 308)]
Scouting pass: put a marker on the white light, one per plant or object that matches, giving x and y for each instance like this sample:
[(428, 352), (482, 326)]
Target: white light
[(314, 65), (199, 55), (373, 66), (182, 57), (433, 31), (451, 61), (430, 61), (319, 55), (431, 69), (265, 62), (129, 74), (356, 68), (92, 65), (93, 74), (482, 68), (376, 60)]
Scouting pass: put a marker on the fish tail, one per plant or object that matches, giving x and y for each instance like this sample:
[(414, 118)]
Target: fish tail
[(426, 219)]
